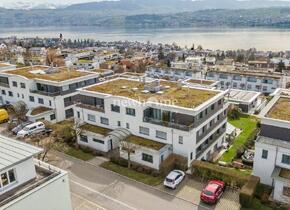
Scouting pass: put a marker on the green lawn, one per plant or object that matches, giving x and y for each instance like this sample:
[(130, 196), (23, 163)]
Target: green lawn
[(130, 173), (74, 152), (248, 125), (257, 205)]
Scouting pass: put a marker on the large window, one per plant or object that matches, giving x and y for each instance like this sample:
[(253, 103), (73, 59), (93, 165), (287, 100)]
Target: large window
[(161, 135), (7, 178), (91, 118), (22, 85), (40, 101), (99, 141), (130, 111), (14, 84), (147, 158), (144, 130), (286, 159), (84, 138), (115, 108), (104, 121), (31, 98)]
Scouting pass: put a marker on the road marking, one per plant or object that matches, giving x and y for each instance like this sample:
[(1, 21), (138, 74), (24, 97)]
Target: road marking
[(104, 195), (86, 201)]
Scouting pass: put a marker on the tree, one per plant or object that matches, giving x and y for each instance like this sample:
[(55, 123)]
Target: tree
[(127, 146), (280, 67), (160, 54), (168, 63)]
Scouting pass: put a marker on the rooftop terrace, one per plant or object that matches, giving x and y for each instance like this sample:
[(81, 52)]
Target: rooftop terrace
[(201, 81), (172, 93), (280, 110), (46, 73)]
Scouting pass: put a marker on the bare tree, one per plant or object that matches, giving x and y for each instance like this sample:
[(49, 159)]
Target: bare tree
[(127, 146)]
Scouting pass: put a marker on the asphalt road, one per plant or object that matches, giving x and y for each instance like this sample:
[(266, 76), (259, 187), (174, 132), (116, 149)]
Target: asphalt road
[(111, 191)]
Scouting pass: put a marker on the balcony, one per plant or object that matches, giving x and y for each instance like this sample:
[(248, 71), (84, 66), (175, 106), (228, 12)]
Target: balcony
[(169, 124), (91, 107)]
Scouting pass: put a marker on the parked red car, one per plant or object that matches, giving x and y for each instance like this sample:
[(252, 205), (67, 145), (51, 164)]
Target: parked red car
[(213, 191)]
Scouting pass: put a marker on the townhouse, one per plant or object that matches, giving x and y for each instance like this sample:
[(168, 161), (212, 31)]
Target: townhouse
[(159, 117), (27, 183), (260, 81), (272, 149), (48, 92)]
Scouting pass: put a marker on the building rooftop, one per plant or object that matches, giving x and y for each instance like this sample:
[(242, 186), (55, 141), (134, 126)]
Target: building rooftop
[(57, 74), (39, 110), (201, 81), (171, 93), (280, 110), (4, 65), (243, 95), (145, 142), (13, 152), (95, 129)]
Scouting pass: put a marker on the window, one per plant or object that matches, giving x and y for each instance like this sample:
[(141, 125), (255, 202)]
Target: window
[(31, 98), (115, 108), (22, 95), (220, 102), (212, 107), (14, 84), (147, 158), (40, 101), (144, 131), (22, 85), (180, 139), (10, 93), (127, 125), (18, 95), (265, 154), (200, 115), (84, 138), (161, 135), (69, 113), (99, 141), (286, 159), (3, 92), (49, 102), (130, 111), (52, 117), (11, 176), (91, 118), (78, 114), (119, 123), (104, 121), (4, 179), (191, 156), (286, 191)]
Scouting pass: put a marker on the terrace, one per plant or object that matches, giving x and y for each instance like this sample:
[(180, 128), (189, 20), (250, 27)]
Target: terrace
[(280, 110), (46, 73), (170, 92)]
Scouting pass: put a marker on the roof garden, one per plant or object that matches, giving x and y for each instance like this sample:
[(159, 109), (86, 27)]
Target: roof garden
[(280, 110), (145, 142), (285, 173), (95, 129), (39, 110), (46, 73), (201, 82), (171, 93)]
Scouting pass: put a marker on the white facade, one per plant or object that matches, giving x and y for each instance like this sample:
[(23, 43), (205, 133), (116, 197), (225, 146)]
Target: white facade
[(192, 142), (61, 101), (265, 83)]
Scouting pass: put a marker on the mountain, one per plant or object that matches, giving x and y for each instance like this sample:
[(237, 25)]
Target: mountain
[(20, 5)]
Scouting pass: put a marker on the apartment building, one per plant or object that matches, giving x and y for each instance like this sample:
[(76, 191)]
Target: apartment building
[(159, 117), (272, 149), (174, 73), (260, 81), (203, 83), (49, 93), (7, 66), (29, 184)]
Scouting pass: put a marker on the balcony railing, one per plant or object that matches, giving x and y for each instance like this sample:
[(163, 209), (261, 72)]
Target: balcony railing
[(90, 107), (52, 94), (169, 124)]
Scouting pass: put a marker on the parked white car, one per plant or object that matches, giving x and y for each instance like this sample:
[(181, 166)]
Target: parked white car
[(33, 128), (174, 178)]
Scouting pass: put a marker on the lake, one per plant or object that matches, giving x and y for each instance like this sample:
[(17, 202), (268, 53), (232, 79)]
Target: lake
[(211, 38)]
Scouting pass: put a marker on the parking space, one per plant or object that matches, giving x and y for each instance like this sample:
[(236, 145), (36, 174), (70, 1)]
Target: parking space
[(190, 190)]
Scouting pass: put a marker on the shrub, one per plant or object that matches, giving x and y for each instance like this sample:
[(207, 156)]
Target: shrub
[(230, 176), (248, 191), (172, 162), (240, 152)]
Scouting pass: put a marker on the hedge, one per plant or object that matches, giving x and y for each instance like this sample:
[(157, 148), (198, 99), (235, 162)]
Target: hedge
[(247, 192), (172, 162), (231, 177)]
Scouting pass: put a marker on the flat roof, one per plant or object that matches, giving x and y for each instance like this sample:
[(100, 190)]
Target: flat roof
[(201, 81), (274, 142), (243, 95), (4, 65), (145, 142), (13, 152), (171, 92), (57, 74), (280, 110), (95, 129)]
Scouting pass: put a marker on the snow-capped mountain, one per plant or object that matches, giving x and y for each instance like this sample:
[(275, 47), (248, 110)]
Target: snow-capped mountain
[(28, 5)]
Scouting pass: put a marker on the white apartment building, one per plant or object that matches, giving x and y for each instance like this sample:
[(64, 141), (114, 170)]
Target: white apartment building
[(272, 149), (7, 66), (49, 93), (29, 184), (174, 73), (159, 117), (260, 81)]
